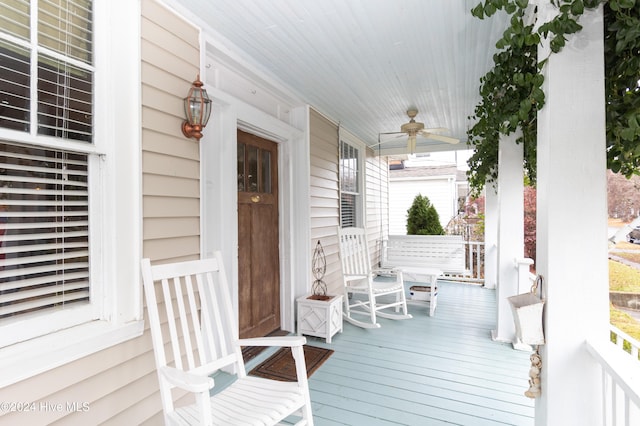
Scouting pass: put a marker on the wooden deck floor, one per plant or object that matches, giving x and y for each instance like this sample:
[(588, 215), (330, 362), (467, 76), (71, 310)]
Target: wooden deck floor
[(425, 371)]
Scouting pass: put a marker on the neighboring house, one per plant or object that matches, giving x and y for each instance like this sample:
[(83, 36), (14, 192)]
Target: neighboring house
[(443, 185)]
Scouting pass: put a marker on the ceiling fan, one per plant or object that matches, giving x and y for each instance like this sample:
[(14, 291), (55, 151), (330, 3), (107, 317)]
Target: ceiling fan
[(414, 128)]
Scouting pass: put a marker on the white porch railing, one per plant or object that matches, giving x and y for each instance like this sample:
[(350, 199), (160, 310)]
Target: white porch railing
[(620, 384), (474, 263), (625, 342)]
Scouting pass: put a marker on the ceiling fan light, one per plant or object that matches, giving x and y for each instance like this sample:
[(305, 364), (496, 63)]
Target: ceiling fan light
[(411, 145)]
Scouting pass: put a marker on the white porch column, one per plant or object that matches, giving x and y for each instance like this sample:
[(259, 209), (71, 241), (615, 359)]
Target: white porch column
[(572, 227), (490, 236), (510, 231)]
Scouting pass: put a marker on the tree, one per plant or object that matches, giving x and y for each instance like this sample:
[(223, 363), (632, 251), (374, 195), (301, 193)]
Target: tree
[(530, 209), (422, 218), (623, 196)]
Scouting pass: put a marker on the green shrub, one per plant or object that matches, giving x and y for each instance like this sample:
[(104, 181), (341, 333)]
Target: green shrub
[(422, 218)]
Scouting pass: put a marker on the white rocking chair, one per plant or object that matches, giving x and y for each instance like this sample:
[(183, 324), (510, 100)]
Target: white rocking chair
[(198, 325), (359, 279)]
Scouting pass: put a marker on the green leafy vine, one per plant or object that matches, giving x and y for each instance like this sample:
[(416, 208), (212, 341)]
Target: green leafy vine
[(511, 92)]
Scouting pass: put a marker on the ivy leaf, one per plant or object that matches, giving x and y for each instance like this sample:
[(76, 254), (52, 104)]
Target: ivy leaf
[(538, 80), (557, 43), (478, 11), (538, 95), (532, 39), (522, 4), (627, 134), (489, 9), (577, 7), (615, 166), (592, 4)]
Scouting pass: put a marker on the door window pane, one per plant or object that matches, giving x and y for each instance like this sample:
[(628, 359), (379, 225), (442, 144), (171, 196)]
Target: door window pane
[(266, 172), (240, 167), (252, 169)]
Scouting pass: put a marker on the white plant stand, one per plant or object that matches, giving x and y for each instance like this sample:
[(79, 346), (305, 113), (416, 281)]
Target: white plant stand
[(320, 318)]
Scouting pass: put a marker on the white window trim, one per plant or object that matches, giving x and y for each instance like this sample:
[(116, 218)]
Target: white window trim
[(118, 231), (347, 137)]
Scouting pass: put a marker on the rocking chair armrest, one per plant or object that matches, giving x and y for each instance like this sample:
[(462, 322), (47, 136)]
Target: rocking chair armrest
[(286, 341), (352, 277), (187, 381)]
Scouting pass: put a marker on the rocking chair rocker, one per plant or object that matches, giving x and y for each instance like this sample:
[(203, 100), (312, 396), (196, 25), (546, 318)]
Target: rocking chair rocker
[(199, 327), (359, 279)]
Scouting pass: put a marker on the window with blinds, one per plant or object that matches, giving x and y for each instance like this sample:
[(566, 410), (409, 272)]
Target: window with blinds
[(44, 237), (349, 185), (46, 90), (57, 98)]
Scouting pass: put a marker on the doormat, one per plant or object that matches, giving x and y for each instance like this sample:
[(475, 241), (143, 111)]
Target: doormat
[(280, 366), (250, 352)]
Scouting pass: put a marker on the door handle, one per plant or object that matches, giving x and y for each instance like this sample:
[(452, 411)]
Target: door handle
[(255, 198)]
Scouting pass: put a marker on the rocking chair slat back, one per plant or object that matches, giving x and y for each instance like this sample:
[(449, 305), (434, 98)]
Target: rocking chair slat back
[(194, 327), (354, 252)]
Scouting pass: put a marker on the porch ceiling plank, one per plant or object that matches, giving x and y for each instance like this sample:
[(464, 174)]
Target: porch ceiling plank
[(428, 370), (362, 63)]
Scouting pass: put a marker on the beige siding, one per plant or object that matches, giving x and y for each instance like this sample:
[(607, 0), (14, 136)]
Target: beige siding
[(170, 162), (120, 383), (325, 213), (377, 198), (325, 198)]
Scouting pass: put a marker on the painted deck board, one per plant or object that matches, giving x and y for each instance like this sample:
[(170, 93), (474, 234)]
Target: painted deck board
[(435, 370)]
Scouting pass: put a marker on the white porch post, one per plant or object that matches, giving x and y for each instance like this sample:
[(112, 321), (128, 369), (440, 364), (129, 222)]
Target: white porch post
[(510, 231), (490, 236), (572, 227)]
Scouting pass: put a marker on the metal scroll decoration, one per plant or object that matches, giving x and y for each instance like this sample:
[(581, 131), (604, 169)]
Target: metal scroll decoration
[(319, 267)]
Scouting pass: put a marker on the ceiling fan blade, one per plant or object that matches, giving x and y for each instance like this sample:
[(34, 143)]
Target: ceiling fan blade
[(441, 138), (434, 130), (388, 138)]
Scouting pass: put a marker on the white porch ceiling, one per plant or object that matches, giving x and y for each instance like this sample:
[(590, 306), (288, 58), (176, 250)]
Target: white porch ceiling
[(363, 63)]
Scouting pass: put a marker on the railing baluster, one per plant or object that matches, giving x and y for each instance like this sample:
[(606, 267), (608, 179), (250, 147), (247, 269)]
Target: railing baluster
[(478, 258), (614, 403), (620, 373), (473, 249), (605, 397)]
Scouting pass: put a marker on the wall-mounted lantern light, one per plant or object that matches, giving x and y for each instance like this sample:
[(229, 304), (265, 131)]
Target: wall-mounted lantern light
[(197, 108)]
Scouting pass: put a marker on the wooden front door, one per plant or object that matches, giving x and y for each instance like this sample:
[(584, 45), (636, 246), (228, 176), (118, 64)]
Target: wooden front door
[(258, 236)]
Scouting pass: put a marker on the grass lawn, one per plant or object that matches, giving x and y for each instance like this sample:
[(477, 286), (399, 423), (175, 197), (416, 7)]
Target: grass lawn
[(623, 277), (625, 323)]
